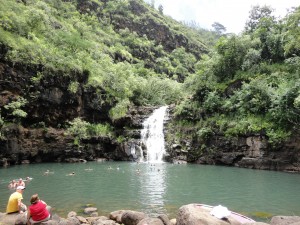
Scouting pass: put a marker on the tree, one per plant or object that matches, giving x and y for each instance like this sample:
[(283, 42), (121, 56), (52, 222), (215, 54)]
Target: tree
[(292, 34), (15, 110), (152, 3), (219, 28), (256, 14), (229, 58), (161, 9)]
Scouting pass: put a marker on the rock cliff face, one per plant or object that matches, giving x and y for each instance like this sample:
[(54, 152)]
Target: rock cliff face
[(41, 136)]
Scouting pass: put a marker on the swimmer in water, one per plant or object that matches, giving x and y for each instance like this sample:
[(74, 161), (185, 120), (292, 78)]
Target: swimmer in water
[(71, 174), (47, 172)]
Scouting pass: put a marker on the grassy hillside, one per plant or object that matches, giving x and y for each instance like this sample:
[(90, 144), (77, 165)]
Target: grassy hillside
[(116, 43)]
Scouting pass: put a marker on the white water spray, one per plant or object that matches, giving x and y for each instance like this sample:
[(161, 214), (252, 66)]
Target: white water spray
[(153, 136)]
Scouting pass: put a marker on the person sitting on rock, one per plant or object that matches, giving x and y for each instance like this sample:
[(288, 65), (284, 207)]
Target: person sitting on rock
[(15, 204), (38, 211)]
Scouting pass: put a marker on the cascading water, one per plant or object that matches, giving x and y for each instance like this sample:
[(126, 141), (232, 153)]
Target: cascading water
[(152, 135)]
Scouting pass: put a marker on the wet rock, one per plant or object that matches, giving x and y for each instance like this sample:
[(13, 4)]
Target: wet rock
[(90, 210)]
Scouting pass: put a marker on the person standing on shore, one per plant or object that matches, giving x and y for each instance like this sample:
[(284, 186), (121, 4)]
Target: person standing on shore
[(38, 211), (15, 204)]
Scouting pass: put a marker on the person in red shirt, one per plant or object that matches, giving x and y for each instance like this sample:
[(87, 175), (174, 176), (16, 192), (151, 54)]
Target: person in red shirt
[(38, 211)]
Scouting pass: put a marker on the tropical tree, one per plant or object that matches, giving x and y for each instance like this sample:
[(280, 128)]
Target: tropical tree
[(219, 28), (256, 14), (292, 33)]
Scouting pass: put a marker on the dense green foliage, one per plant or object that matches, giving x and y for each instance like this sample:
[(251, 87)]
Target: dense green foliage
[(130, 67), (248, 84), (81, 129)]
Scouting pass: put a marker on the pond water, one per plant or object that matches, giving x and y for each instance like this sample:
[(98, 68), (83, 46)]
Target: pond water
[(156, 188)]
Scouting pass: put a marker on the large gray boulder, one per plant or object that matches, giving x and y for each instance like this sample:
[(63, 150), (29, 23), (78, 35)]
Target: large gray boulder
[(132, 217), (192, 214), (8, 219)]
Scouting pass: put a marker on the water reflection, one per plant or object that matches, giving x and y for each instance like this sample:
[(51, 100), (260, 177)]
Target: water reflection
[(153, 187)]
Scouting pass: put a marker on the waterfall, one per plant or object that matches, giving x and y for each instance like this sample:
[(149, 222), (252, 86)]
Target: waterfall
[(152, 135)]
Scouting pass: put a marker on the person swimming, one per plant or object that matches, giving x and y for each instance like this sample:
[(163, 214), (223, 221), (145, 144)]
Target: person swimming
[(21, 182), (12, 184), (28, 178), (71, 174), (47, 172)]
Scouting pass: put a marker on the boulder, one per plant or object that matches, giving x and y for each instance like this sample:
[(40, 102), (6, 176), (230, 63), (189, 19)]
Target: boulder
[(90, 210), (285, 220), (132, 217), (105, 222), (165, 219), (173, 221), (256, 223), (94, 214), (150, 221), (192, 214), (63, 222), (117, 215), (73, 221), (82, 219), (49, 222), (8, 219), (71, 214)]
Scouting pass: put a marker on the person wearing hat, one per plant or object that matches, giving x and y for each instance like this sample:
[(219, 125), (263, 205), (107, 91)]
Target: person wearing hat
[(15, 204), (38, 211)]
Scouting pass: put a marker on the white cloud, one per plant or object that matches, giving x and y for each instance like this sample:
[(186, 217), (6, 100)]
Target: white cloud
[(233, 14)]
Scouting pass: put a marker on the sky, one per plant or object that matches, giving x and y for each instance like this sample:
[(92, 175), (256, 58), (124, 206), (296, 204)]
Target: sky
[(232, 14)]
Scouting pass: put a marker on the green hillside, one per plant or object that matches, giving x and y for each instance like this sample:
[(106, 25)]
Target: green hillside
[(130, 54), (247, 85)]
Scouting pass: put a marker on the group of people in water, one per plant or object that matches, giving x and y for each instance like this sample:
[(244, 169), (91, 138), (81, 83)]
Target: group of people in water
[(13, 184), (37, 212)]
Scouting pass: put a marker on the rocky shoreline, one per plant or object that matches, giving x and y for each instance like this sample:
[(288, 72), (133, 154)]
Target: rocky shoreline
[(189, 214)]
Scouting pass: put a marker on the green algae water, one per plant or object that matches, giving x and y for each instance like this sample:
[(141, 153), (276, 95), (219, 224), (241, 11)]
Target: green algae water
[(156, 188)]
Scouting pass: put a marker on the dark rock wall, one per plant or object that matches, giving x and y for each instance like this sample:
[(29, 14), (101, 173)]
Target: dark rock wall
[(41, 136)]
